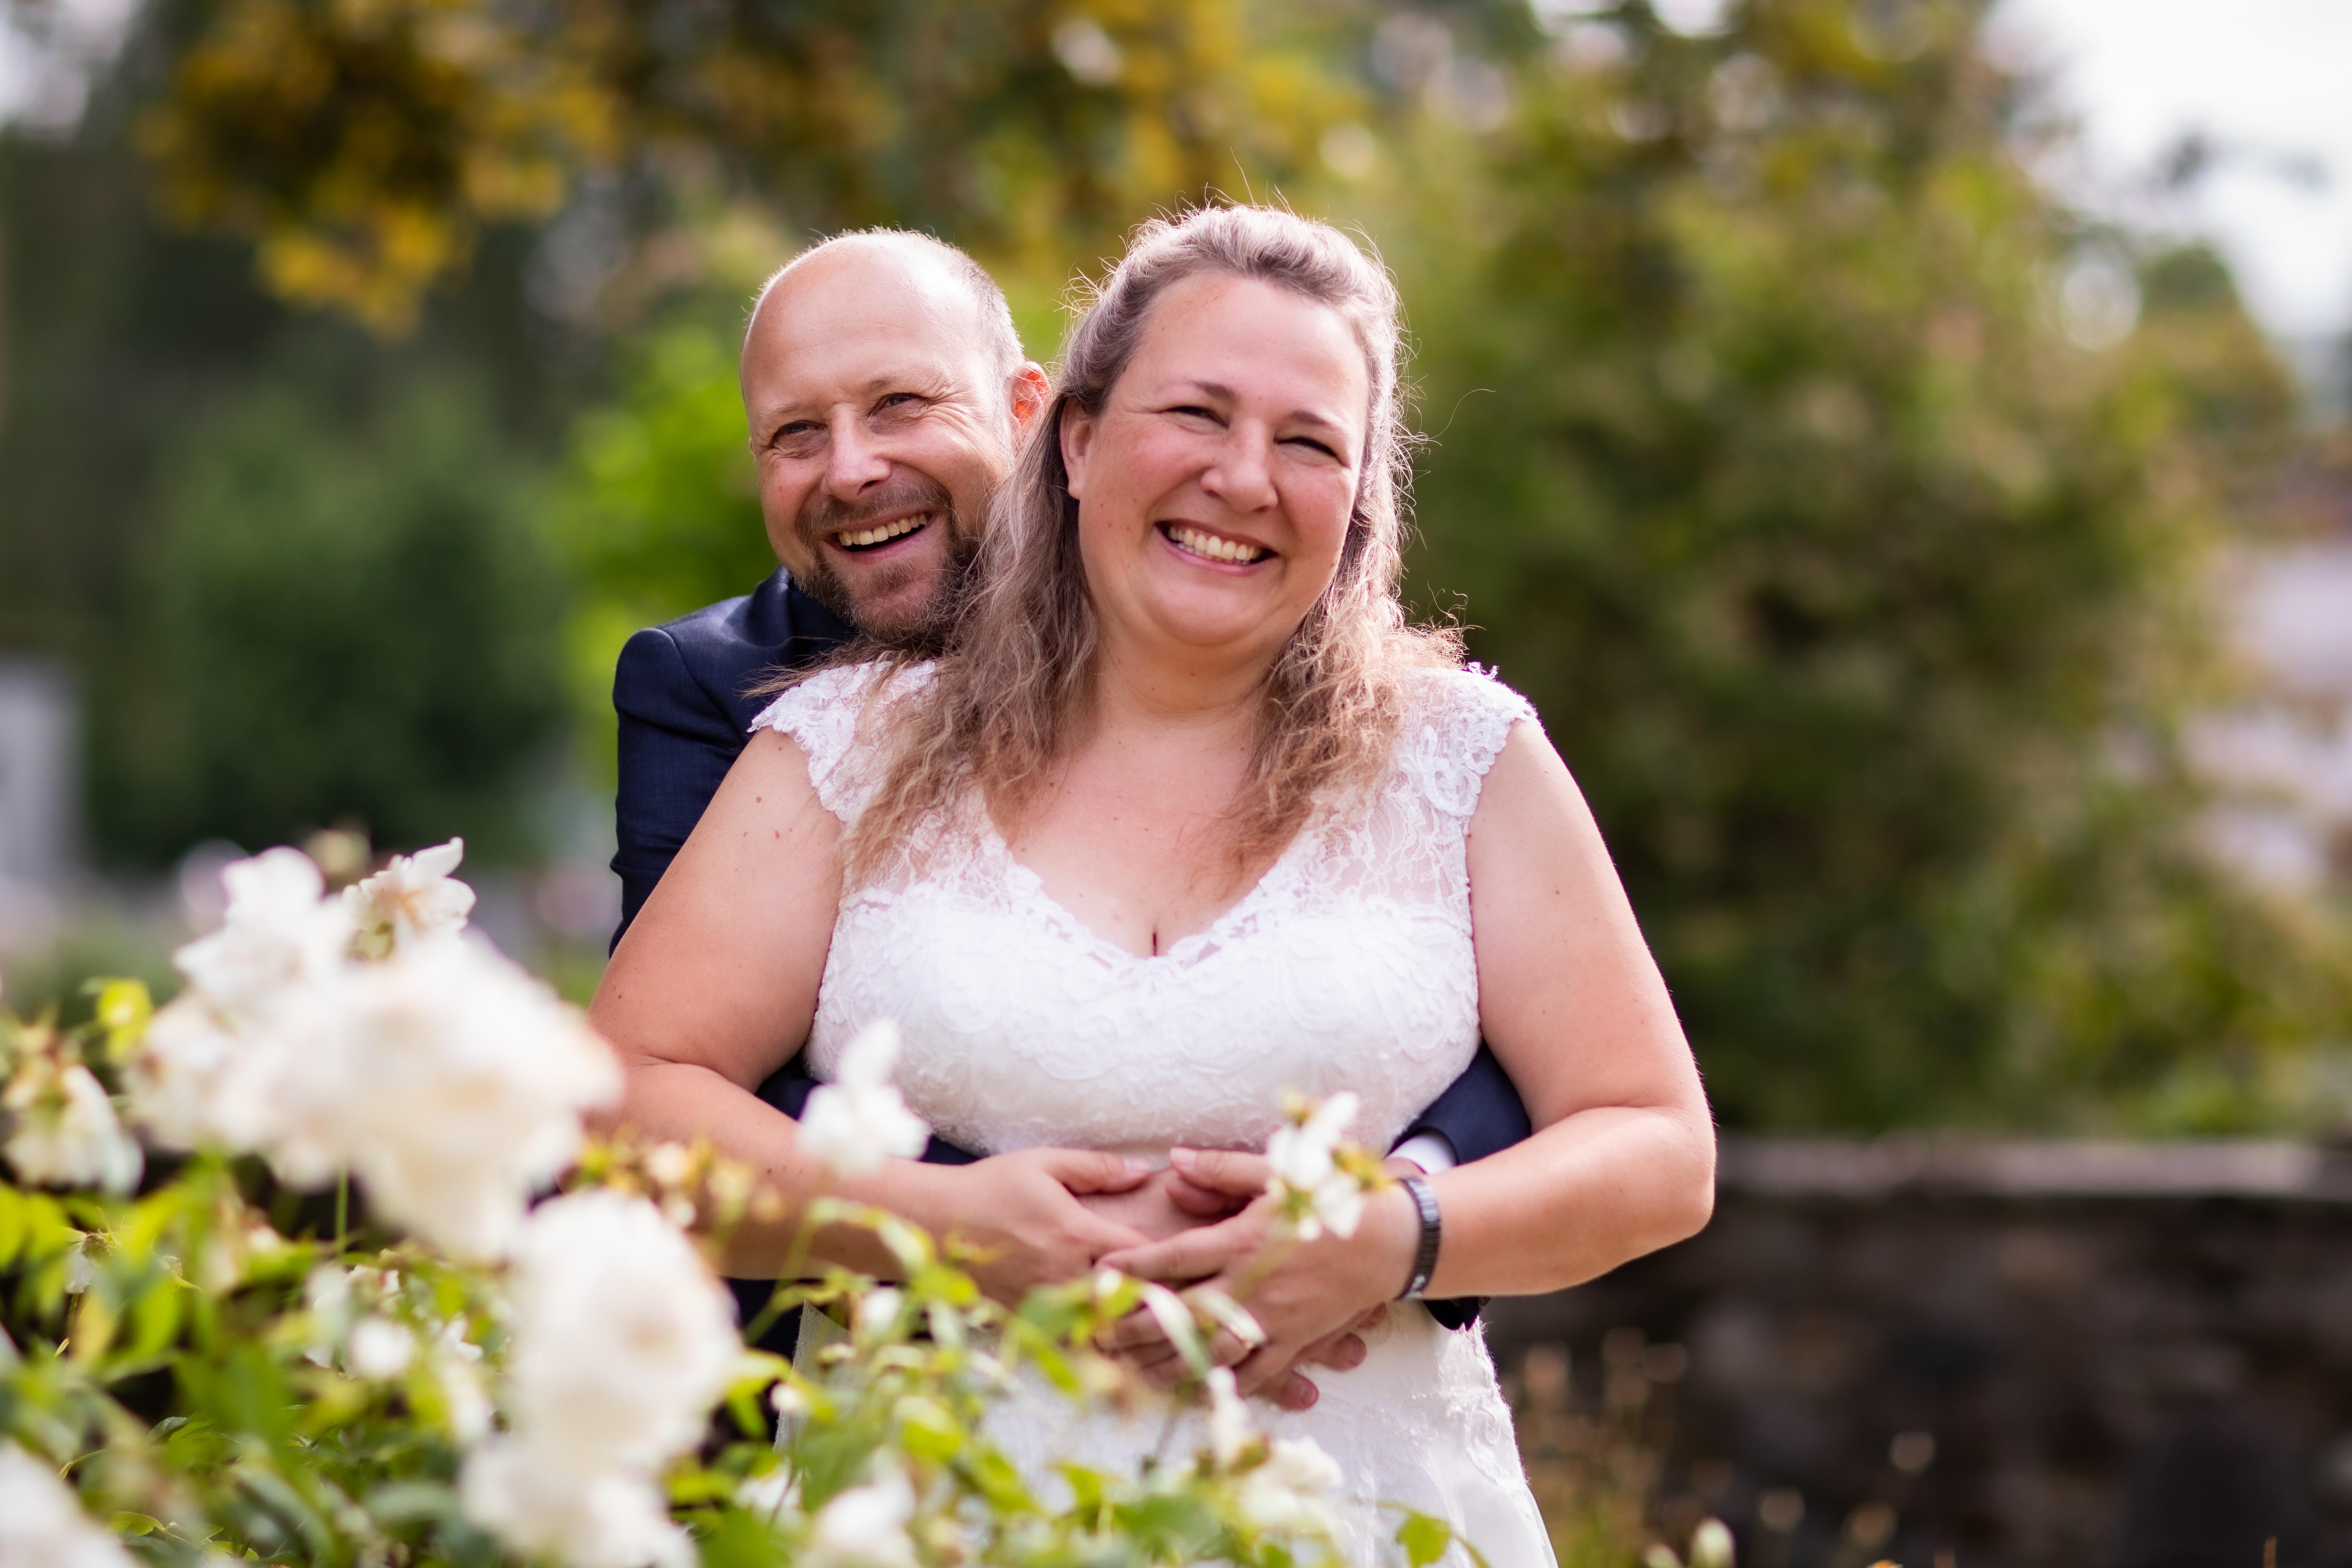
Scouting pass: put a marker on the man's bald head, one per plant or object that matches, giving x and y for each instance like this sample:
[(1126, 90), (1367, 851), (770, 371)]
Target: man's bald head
[(927, 261)]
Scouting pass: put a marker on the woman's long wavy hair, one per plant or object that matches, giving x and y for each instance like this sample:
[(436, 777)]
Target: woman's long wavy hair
[(1013, 690)]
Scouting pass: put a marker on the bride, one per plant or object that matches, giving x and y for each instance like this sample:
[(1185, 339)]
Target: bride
[(1187, 817)]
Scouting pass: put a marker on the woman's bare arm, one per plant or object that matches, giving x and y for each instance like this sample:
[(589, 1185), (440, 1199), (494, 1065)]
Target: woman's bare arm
[(714, 988), (1622, 1160)]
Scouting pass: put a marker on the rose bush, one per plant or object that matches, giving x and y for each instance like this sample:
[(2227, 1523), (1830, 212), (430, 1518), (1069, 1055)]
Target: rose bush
[(216, 1345)]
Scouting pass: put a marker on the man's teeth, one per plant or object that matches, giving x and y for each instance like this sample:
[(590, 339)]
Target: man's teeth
[(1214, 548), (858, 538)]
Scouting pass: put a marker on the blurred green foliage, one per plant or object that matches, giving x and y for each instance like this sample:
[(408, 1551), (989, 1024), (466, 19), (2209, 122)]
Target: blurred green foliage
[(363, 147), (1801, 456), (342, 623), (658, 512), (1863, 590)]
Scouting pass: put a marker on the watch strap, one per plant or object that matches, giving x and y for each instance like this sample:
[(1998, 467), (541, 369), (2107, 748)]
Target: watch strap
[(1424, 1257)]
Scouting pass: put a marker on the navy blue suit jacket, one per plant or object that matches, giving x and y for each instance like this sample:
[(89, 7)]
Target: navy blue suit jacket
[(682, 692)]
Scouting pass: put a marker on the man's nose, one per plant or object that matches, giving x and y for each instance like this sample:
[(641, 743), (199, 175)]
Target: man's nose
[(855, 462), (1243, 475)]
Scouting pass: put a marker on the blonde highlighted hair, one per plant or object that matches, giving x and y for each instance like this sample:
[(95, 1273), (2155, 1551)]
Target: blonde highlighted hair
[(1013, 691)]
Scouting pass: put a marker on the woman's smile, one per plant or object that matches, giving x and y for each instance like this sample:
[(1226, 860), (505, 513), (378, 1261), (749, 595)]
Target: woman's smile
[(1205, 544)]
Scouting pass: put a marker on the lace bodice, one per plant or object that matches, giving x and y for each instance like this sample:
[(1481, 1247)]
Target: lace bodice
[(1348, 965)]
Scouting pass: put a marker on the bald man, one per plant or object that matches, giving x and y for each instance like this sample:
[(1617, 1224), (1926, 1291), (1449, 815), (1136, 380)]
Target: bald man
[(884, 392)]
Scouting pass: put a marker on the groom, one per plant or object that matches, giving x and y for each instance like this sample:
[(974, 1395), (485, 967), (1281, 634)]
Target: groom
[(885, 390)]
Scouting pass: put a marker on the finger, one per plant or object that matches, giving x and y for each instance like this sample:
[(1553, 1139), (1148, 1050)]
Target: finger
[(1294, 1393), (1373, 1318), (1203, 1203), (1154, 1360), (1101, 1236), (1223, 1170), (1095, 1170), (1262, 1372), (1340, 1352), (1136, 1331), (1182, 1258)]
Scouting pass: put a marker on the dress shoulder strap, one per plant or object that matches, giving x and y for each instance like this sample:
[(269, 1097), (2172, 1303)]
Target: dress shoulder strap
[(1455, 727), (838, 717)]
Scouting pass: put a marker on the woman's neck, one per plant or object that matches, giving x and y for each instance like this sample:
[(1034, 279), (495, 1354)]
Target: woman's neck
[(1198, 690)]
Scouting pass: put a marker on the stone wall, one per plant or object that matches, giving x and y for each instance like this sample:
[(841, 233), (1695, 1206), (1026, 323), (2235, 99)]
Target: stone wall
[(2127, 1356)]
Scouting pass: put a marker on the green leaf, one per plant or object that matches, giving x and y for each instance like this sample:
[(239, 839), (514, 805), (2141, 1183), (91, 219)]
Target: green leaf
[(1424, 1539), (12, 1223), (408, 1502)]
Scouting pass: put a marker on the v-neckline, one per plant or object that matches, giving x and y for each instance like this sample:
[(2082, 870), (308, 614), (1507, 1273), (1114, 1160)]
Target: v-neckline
[(1061, 915)]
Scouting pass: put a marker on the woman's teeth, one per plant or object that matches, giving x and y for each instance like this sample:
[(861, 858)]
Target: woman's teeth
[(881, 533), (1212, 547)]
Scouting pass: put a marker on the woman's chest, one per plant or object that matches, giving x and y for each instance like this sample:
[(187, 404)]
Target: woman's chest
[(1021, 1028), (1142, 859)]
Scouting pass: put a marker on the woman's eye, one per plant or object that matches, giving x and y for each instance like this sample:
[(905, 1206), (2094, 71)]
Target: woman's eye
[(1312, 445)]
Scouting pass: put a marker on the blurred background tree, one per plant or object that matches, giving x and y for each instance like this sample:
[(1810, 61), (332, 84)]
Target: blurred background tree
[(1848, 504), (397, 552), (1798, 455)]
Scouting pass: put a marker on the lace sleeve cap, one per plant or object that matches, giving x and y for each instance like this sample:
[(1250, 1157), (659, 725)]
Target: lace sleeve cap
[(826, 714), (1460, 719)]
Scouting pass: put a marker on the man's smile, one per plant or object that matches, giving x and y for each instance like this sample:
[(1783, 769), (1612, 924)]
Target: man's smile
[(872, 536)]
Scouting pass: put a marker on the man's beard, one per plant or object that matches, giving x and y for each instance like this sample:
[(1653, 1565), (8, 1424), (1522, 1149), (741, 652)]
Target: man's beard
[(926, 631)]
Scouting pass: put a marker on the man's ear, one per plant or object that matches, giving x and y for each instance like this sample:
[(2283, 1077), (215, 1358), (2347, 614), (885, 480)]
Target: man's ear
[(1077, 437), (1031, 392)]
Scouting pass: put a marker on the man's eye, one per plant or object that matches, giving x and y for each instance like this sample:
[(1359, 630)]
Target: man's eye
[(896, 402)]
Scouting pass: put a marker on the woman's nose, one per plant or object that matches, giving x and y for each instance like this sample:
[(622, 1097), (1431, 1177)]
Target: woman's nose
[(1243, 474)]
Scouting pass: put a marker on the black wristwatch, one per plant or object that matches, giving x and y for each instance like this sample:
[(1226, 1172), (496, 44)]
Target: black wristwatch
[(1424, 1257)]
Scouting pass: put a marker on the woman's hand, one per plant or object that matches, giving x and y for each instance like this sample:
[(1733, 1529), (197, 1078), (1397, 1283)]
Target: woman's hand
[(1024, 1214), (1164, 1205), (1313, 1299)]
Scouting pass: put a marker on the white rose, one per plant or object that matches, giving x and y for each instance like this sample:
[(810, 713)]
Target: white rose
[(866, 1527), (414, 899), (277, 934), (380, 1350), (63, 1130), (540, 1504), (1301, 1154), (858, 1120), (196, 1081), (1231, 1430), (452, 1084), (41, 1521), (622, 1343), (1290, 1490)]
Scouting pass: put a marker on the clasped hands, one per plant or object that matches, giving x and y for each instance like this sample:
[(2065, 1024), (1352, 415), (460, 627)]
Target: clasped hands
[(1206, 1219)]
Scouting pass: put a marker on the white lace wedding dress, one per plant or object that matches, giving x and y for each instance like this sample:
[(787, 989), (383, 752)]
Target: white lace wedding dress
[(1348, 966)]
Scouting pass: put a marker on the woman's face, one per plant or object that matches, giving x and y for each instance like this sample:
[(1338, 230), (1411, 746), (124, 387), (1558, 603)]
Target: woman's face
[(1214, 487)]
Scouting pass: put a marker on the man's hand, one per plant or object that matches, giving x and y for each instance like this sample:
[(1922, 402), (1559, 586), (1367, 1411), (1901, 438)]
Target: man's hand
[(1163, 1205), (1313, 1302), (1025, 1214)]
